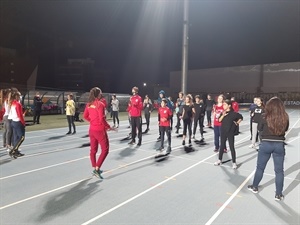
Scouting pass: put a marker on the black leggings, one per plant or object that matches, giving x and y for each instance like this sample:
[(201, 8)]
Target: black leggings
[(208, 116), (230, 138), (147, 117), (187, 124), (199, 120)]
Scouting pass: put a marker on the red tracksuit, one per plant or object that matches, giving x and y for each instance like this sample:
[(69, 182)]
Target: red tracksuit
[(95, 114)]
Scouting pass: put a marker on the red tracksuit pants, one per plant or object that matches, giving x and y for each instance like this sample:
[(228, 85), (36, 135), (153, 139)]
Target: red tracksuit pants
[(98, 138)]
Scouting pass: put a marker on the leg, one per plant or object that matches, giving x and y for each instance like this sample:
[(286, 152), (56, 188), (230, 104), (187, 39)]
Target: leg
[(254, 132), (133, 128), (104, 143), (69, 123), (231, 146), (114, 117), (201, 121), (263, 157), (278, 158), (38, 116), (117, 117), (162, 136), (5, 130), (139, 127), (217, 137), (93, 147), (223, 143), (9, 134), (195, 125), (73, 124)]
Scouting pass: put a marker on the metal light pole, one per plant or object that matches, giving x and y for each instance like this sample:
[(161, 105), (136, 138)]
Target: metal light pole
[(185, 45)]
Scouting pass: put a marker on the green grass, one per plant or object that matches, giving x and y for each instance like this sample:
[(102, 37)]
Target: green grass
[(58, 121)]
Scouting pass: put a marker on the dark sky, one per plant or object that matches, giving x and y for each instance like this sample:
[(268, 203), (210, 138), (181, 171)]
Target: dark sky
[(141, 41)]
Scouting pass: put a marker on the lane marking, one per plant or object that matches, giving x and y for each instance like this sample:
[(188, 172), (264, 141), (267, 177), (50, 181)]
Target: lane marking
[(229, 200), (146, 191), (42, 194)]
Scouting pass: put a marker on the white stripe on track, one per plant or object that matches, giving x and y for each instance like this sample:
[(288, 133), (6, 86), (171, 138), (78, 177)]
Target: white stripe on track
[(146, 191)]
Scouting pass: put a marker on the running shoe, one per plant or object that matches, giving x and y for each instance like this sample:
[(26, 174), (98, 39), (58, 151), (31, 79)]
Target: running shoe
[(279, 197), (253, 189)]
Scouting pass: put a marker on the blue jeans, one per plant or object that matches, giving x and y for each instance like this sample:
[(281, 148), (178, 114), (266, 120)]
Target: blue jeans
[(217, 132), (277, 150), (18, 134)]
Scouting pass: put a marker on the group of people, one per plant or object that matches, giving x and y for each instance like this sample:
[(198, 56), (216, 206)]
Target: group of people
[(13, 121), (268, 124)]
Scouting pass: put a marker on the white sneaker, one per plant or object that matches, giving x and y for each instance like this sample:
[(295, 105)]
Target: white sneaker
[(252, 146), (234, 166), (218, 163)]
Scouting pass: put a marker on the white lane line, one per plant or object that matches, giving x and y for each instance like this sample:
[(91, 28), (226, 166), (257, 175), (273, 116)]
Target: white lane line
[(229, 200), (238, 190), (146, 191), (44, 193)]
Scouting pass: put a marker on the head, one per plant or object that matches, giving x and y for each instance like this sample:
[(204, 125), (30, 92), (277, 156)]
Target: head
[(170, 98), (163, 102), (220, 99), (180, 94), (162, 94), (135, 90), (254, 100), (188, 99), (197, 98), (114, 96), (232, 99), (227, 105), (95, 93), (209, 96), (70, 96), (276, 116), (259, 101), (37, 94)]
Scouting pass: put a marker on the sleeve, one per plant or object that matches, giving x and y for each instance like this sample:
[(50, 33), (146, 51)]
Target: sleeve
[(158, 115), (261, 123), (86, 114), (20, 113), (170, 114), (101, 113)]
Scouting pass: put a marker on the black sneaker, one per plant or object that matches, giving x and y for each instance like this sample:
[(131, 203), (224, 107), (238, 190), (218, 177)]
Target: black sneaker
[(69, 132), (12, 152), (183, 142), (279, 197), (18, 154), (253, 189), (139, 143), (74, 132), (97, 173)]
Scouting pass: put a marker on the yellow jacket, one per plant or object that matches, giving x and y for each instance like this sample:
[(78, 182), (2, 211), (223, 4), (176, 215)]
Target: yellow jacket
[(70, 108)]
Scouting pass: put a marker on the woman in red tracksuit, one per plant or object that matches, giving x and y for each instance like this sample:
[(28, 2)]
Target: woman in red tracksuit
[(95, 113)]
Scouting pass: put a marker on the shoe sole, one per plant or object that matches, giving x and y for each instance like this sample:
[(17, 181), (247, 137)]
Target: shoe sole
[(250, 189)]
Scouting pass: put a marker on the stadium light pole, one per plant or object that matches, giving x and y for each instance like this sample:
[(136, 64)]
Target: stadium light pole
[(185, 45)]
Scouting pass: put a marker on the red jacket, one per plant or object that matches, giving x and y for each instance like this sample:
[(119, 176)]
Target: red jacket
[(95, 114), (135, 106), (217, 113), (164, 115), (17, 112)]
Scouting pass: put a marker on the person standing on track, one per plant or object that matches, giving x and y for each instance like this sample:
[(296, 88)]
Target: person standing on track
[(70, 112), (136, 107), (94, 113), (273, 125), (209, 107), (164, 117), (115, 110), (199, 115), (17, 123), (230, 122), (148, 107), (256, 116), (188, 112), (178, 110), (217, 112)]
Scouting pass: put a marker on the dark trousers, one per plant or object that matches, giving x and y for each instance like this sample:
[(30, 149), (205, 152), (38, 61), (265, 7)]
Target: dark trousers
[(136, 125), (71, 123), (208, 116), (36, 116), (115, 115), (187, 125), (7, 132), (147, 117), (164, 130), (277, 150), (18, 134), (199, 120), (230, 138), (217, 134)]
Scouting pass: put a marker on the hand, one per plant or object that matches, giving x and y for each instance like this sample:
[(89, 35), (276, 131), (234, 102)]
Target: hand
[(235, 123), (113, 129)]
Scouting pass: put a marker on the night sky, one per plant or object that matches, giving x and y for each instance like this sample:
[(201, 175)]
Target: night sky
[(141, 41)]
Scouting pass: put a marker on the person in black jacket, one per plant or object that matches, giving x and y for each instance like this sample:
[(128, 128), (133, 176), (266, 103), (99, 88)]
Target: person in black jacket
[(230, 121), (37, 104), (200, 108), (148, 107), (272, 126)]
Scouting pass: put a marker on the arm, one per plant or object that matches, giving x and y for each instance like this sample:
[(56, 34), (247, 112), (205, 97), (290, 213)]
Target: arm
[(86, 114), (20, 113)]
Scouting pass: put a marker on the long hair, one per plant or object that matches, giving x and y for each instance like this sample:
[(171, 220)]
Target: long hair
[(228, 102), (95, 93), (276, 116)]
